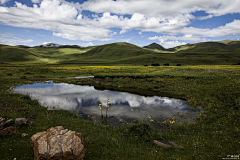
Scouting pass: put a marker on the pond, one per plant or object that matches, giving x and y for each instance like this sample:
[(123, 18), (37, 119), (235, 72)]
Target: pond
[(123, 108)]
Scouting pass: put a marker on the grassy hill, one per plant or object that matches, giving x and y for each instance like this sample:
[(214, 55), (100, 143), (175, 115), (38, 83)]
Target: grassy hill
[(204, 53), (155, 46), (15, 54)]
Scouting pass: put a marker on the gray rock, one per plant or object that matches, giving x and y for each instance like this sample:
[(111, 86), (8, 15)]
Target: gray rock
[(166, 144), (4, 123), (8, 122), (22, 121)]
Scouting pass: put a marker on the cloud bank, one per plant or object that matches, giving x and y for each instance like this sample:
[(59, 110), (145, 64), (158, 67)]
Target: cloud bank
[(66, 19)]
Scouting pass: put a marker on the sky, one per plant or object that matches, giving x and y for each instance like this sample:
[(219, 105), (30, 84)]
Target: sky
[(169, 23)]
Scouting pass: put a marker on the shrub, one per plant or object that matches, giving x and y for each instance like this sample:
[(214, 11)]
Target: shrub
[(155, 64), (166, 64)]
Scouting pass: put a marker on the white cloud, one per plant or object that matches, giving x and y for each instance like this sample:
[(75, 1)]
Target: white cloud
[(187, 37), (123, 31), (140, 33), (65, 19), (40, 35), (59, 16), (162, 8), (88, 44), (36, 1), (10, 39), (126, 40), (228, 29), (114, 33), (44, 43), (171, 44), (3, 1)]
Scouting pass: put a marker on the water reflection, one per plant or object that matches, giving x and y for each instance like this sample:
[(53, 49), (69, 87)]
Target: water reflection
[(82, 77), (85, 99)]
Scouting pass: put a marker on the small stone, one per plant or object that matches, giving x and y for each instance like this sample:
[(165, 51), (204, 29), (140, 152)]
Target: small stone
[(8, 122), (2, 122), (166, 144), (22, 121), (24, 134)]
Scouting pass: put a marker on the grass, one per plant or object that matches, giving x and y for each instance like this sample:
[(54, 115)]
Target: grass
[(216, 88), (205, 53)]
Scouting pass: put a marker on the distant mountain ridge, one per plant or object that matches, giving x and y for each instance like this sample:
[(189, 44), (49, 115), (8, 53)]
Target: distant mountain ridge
[(54, 45), (155, 46)]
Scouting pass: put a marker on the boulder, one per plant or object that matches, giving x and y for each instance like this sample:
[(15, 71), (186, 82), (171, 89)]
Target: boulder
[(166, 144), (57, 143), (22, 121)]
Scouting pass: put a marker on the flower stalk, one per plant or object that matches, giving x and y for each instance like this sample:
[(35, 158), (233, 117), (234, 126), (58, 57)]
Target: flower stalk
[(104, 120)]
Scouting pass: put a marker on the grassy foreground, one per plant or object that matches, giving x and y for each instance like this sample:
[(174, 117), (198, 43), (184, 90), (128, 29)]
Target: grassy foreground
[(216, 88)]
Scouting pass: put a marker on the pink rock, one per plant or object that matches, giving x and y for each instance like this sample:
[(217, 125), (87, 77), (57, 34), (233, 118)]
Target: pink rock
[(57, 143)]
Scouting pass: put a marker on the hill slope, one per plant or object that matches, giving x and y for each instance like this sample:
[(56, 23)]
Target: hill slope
[(218, 45), (155, 46), (115, 51), (15, 54), (221, 52)]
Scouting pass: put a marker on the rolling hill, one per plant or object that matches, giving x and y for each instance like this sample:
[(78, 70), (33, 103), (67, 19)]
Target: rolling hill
[(121, 53), (155, 46)]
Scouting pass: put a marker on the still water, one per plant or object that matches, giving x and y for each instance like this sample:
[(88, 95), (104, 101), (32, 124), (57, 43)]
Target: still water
[(123, 108)]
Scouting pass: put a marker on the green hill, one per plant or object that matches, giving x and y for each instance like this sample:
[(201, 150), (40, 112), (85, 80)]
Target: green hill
[(15, 54), (155, 46), (219, 52), (115, 51), (226, 45)]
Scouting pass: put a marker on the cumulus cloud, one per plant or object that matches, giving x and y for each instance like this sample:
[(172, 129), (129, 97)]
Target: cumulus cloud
[(114, 33), (162, 8), (171, 44), (44, 43), (123, 31), (10, 39), (3, 1), (65, 19), (140, 33), (88, 44), (187, 37), (36, 1)]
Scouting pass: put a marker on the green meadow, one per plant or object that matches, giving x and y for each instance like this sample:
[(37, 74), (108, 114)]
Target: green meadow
[(214, 87), (204, 53)]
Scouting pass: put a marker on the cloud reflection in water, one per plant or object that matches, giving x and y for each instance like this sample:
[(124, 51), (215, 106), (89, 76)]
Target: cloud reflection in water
[(86, 99)]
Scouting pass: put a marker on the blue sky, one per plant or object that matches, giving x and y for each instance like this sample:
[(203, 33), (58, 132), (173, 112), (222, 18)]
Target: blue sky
[(95, 22)]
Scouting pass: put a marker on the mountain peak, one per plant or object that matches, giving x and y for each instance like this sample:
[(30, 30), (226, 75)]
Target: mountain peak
[(155, 46)]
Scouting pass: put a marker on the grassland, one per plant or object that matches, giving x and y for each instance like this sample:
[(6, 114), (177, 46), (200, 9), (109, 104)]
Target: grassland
[(215, 87), (205, 53)]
